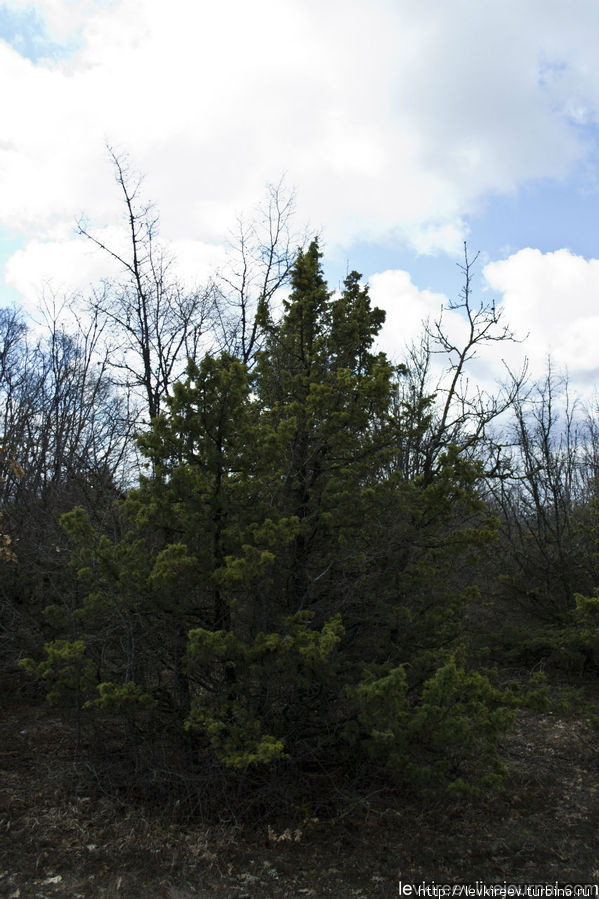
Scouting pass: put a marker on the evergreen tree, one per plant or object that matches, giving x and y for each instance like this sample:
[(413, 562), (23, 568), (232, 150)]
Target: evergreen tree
[(281, 586)]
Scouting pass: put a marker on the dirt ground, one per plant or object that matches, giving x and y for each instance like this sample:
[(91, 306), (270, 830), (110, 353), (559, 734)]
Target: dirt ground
[(541, 827)]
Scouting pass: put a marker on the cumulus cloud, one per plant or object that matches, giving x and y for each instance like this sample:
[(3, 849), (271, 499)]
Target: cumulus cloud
[(554, 299), (71, 268), (407, 309), (410, 310), (393, 119), (548, 301), (62, 263), (387, 116)]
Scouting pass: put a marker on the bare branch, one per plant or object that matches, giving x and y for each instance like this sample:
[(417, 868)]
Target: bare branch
[(153, 322)]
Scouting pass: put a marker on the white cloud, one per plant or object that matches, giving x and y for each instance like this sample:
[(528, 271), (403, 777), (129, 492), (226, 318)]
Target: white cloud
[(68, 266), (391, 117), (409, 310), (554, 298), (72, 267), (406, 309)]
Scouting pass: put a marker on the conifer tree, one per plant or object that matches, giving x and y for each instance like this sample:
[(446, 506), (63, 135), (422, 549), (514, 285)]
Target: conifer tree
[(282, 586)]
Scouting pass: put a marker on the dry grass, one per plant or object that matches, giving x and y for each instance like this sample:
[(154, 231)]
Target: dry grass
[(59, 840)]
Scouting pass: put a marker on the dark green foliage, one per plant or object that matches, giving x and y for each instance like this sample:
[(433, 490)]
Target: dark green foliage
[(283, 590), (459, 718), (571, 650), (66, 669)]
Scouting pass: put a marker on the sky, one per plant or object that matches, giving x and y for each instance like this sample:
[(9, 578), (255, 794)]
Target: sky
[(405, 128)]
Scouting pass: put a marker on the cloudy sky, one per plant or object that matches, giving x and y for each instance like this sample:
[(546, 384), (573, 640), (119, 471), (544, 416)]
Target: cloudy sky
[(405, 128)]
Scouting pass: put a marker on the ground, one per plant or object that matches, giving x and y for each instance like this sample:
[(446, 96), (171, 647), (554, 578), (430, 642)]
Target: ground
[(56, 841)]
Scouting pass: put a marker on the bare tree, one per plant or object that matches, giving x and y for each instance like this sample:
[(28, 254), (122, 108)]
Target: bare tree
[(154, 323), (64, 419), (261, 255), (17, 389), (451, 411), (65, 436), (545, 499)]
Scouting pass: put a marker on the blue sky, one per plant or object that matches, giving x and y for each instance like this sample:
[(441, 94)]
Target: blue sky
[(23, 27), (405, 129)]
